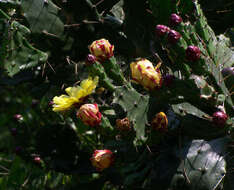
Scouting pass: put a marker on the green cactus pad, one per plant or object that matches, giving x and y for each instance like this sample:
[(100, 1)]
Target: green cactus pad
[(136, 107), (20, 54), (42, 16), (202, 167)]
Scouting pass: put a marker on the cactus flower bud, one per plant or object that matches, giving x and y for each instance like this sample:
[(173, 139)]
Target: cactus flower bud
[(173, 36), (175, 19), (101, 49), (102, 159), (145, 74), (37, 160), (161, 30), (90, 59), (123, 124), (160, 122), (18, 117), (193, 53), (219, 118), (89, 114)]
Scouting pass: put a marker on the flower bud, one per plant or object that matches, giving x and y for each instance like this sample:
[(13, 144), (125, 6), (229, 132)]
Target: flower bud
[(37, 160), (173, 36), (161, 30), (102, 159), (101, 49), (145, 74), (175, 19), (123, 124), (90, 59), (193, 53), (50, 103), (219, 118), (160, 122), (18, 117), (89, 114)]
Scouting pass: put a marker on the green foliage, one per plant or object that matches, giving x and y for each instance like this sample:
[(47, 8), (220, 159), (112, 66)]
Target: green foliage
[(202, 165), (42, 17), (19, 54), (43, 48), (135, 106)]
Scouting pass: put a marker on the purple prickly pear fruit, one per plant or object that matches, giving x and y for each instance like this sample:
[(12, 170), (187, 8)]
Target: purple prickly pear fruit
[(193, 53), (90, 59), (168, 79), (161, 30), (173, 36), (228, 71), (219, 118), (175, 19)]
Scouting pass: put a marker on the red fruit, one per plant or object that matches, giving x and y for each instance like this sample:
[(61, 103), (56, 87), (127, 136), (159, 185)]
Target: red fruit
[(193, 53), (161, 30), (173, 36), (175, 19), (219, 118)]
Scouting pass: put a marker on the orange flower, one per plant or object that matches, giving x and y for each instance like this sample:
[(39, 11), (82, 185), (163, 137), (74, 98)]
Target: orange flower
[(102, 159), (89, 114), (145, 74), (160, 122), (101, 49)]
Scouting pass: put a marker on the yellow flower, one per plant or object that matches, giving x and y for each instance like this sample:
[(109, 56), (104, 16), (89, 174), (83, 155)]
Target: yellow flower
[(101, 49), (75, 95), (145, 74)]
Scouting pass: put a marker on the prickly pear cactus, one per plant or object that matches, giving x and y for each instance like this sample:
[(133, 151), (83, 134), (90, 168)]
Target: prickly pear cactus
[(140, 105), (203, 165)]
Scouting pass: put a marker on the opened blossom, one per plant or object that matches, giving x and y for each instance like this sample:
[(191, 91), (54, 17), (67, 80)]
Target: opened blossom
[(89, 114), (101, 49), (74, 95), (102, 159), (144, 73)]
